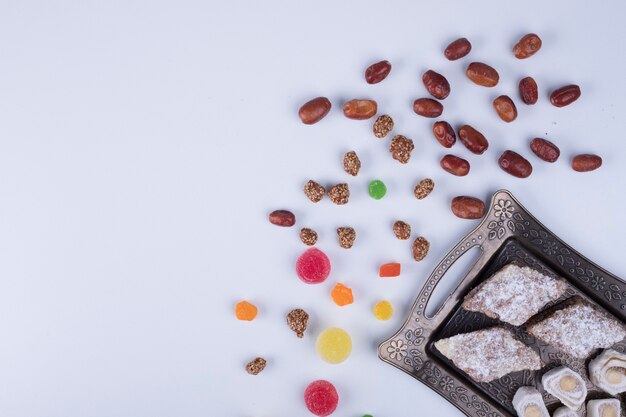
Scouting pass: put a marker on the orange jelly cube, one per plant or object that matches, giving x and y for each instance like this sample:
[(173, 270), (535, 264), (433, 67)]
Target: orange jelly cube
[(245, 311), (342, 295), (389, 270)]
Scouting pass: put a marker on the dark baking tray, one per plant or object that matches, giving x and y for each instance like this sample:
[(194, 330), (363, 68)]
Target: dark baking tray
[(507, 234)]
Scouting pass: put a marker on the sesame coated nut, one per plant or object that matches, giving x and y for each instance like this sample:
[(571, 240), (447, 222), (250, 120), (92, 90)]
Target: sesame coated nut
[(420, 248), (401, 148), (308, 236), (297, 320), (382, 126), (314, 191), (346, 236), (351, 163), (402, 230), (423, 188), (339, 194), (255, 366)]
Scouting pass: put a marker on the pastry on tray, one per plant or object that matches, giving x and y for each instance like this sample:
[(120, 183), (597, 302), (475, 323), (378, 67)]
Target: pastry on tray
[(528, 402), (577, 329), (566, 385), (514, 294), (608, 371), (565, 412), (604, 408), (488, 354)]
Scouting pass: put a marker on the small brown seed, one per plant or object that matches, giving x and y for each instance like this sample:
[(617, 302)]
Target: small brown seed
[(313, 111), (351, 163), (482, 74), (314, 191), (528, 90), (436, 84), (466, 207), (444, 134), (420, 248), (565, 96), (347, 236), (455, 165), (527, 46), (382, 126), (515, 164), (402, 230), (505, 108), (473, 139), (427, 107), (339, 194), (283, 218), (255, 366), (297, 320), (545, 149), (424, 188), (308, 236), (458, 49), (360, 109), (586, 162), (377, 72), (401, 148)]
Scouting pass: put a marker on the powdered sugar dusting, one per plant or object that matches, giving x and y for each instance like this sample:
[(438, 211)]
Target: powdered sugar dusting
[(514, 294), (578, 329), (488, 354)]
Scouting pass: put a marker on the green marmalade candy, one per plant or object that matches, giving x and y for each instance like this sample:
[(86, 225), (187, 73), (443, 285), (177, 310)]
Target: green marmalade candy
[(377, 189)]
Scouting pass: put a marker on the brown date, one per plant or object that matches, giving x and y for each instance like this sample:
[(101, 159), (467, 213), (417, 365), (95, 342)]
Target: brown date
[(482, 74), (527, 46), (436, 84), (377, 72), (565, 95), (515, 164), (427, 107), (473, 139), (544, 149), (505, 108), (360, 109), (444, 134), (455, 165), (283, 218), (528, 90), (458, 49), (586, 162), (467, 207), (314, 110)]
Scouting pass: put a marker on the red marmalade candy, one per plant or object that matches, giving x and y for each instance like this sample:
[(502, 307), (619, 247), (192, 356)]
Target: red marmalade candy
[(321, 398), (313, 266)]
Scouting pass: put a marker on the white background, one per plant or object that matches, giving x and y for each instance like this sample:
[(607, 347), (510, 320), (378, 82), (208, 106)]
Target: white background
[(143, 143)]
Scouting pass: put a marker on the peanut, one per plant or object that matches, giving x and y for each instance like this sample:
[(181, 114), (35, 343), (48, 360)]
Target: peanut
[(565, 96), (545, 149), (283, 218), (466, 207), (586, 162), (314, 110), (358, 109), (455, 165), (482, 74), (505, 108), (436, 84), (377, 72), (527, 46), (473, 139), (528, 90), (458, 49), (444, 134), (515, 164), (427, 107)]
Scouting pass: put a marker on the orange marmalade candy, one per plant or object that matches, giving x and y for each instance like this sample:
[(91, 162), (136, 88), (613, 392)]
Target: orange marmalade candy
[(342, 295), (389, 270), (246, 311)]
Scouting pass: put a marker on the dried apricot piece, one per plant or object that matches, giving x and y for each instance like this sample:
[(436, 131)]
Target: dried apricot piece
[(246, 311), (342, 295), (389, 270)]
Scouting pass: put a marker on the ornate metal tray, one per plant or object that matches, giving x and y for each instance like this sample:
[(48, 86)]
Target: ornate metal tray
[(508, 233)]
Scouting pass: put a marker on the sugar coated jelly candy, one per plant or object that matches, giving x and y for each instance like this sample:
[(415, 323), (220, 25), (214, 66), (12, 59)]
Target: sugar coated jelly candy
[(313, 266), (245, 311), (342, 295), (321, 398), (377, 189), (383, 310), (334, 345), (389, 270)]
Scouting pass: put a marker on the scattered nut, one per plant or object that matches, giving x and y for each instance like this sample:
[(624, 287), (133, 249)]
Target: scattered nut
[(283, 218), (420, 248), (527, 46), (339, 194), (382, 126), (359, 109), (423, 188), (313, 111), (255, 366), (308, 236), (346, 236), (314, 191), (586, 162), (458, 49), (377, 72), (401, 148), (351, 163), (402, 230), (297, 320)]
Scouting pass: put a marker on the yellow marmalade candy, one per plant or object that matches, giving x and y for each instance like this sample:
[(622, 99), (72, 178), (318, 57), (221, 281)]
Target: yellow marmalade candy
[(334, 345)]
